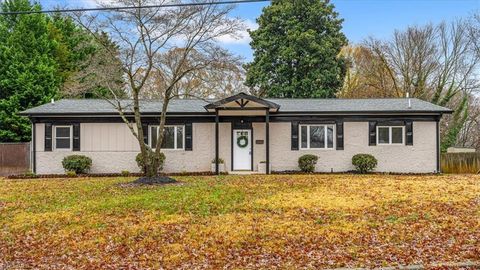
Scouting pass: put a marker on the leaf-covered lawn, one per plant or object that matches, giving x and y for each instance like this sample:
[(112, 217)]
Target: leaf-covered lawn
[(289, 221)]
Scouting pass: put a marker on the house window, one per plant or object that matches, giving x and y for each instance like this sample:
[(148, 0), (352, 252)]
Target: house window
[(173, 138), (63, 137), (317, 136), (390, 135)]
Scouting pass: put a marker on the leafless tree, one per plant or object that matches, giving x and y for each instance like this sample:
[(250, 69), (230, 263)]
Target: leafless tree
[(215, 81), (169, 43), (470, 133), (436, 63)]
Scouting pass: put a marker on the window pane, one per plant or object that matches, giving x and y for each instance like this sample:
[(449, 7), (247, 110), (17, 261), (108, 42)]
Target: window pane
[(62, 132), (397, 135), (62, 143), (153, 136), (317, 137), (180, 137), (383, 135), (304, 136), (330, 136), (168, 138)]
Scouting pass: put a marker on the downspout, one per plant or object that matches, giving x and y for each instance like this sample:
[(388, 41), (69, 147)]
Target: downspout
[(217, 172), (438, 144), (34, 147)]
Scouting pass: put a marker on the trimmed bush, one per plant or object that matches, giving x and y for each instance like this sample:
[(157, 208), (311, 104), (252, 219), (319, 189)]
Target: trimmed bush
[(364, 163), (307, 163), (125, 173), (151, 154), (77, 163)]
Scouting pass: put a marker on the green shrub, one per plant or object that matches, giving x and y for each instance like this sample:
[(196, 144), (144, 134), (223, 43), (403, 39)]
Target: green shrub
[(77, 163), (364, 163), (125, 173), (71, 173), (151, 155), (307, 163), (220, 161)]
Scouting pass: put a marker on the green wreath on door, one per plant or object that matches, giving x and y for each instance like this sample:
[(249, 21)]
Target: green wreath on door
[(242, 141)]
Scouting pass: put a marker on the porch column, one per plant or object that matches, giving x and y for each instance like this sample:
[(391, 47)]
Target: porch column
[(267, 141), (216, 142)]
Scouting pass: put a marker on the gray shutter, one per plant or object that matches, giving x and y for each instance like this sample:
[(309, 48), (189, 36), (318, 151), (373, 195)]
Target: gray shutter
[(339, 135), (188, 137), (409, 132), (294, 135), (145, 133), (372, 133), (48, 137), (76, 137)]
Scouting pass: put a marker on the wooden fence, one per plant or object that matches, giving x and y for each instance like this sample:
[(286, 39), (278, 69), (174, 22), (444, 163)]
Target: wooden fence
[(460, 162), (14, 158)]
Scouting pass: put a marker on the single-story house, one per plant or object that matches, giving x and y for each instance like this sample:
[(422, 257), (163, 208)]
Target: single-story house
[(244, 131)]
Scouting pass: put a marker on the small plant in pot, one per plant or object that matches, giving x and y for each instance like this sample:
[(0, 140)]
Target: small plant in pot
[(262, 167), (221, 165)]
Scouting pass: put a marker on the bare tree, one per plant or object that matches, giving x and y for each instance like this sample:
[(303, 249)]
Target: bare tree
[(436, 63), (214, 81), (470, 133), (167, 43)]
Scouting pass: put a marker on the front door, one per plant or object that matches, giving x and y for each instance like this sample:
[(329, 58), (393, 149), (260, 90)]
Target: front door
[(242, 149)]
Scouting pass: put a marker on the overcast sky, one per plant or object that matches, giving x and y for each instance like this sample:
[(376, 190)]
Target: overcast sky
[(363, 18)]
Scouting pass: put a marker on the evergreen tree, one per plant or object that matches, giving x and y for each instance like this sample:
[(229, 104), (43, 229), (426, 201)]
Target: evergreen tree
[(296, 50), (38, 54), (28, 68)]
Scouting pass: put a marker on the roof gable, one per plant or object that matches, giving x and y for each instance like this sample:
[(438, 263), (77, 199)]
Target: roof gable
[(242, 101)]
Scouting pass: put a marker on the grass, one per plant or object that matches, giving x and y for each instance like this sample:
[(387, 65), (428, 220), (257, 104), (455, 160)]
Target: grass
[(289, 221)]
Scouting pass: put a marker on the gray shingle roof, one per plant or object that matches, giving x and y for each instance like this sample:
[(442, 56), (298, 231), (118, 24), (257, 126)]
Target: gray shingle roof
[(99, 106)]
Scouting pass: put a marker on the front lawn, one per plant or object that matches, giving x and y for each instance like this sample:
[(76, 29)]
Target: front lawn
[(291, 221)]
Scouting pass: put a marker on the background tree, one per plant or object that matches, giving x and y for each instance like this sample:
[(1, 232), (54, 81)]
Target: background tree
[(38, 53), (296, 50), (434, 63), (29, 72), (169, 43)]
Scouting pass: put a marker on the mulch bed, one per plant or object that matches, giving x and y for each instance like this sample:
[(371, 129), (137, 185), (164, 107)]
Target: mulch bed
[(150, 181)]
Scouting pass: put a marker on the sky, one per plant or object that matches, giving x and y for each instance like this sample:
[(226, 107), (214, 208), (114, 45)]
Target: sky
[(362, 18)]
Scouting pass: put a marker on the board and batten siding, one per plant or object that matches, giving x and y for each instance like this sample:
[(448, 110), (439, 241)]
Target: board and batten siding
[(113, 148), (419, 158)]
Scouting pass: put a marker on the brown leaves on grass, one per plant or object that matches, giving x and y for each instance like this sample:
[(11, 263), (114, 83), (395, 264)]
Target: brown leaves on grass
[(301, 221)]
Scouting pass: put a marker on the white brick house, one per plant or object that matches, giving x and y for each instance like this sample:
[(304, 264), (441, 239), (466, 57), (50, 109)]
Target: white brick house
[(244, 131)]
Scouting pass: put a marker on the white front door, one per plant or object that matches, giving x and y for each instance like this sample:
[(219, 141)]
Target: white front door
[(242, 149)]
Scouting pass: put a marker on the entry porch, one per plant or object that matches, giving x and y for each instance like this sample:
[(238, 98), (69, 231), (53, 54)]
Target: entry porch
[(250, 132)]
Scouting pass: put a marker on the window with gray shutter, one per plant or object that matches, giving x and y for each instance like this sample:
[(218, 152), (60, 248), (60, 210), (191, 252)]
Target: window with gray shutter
[(372, 133), (48, 137), (294, 135)]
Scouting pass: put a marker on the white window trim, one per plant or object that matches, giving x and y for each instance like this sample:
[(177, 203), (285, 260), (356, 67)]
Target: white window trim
[(55, 138), (174, 140), (325, 133), (390, 135)]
